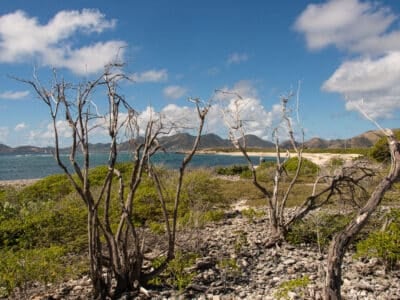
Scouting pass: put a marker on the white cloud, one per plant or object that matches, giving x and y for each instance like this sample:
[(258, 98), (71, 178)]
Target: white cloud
[(20, 126), (255, 118), (150, 76), (4, 131), (51, 43), (364, 29), (174, 91), (237, 58), (373, 80), (14, 95), (346, 24)]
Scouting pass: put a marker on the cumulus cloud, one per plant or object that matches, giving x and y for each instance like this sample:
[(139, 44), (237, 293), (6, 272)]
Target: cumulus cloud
[(237, 58), (255, 118), (14, 95), (346, 24), (20, 126), (364, 29), (374, 82), (51, 43), (174, 91), (150, 76)]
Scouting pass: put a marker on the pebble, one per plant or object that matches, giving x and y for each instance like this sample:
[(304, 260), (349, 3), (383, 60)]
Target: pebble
[(261, 272)]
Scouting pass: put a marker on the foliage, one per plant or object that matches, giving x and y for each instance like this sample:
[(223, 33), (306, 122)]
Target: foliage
[(241, 241), (383, 244), (44, 224), (229, 268), (53, 187), (202, 199), (18, 268), (251, 214), (232, 170), (317, 229), (380, 151), (336, 162), (307, 166), (295, 285), (179, 273)]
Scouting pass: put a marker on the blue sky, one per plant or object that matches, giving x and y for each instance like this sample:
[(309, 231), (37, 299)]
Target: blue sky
[(346, 53)]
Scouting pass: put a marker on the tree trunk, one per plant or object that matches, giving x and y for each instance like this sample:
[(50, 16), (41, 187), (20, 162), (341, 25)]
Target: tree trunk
[(340, 243)]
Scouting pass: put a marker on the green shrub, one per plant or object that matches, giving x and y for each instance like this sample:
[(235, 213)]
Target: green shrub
[(296, 285), (52, 187), (20, 268), (380, 151), (229, 269), (336, 162), (179, 273), (252, 214), (232, 170), (307, 166), (317, 229), (45, 224), (384, 245)]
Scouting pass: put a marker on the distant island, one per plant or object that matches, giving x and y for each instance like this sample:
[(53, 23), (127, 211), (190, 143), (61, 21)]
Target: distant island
[(182, 142)]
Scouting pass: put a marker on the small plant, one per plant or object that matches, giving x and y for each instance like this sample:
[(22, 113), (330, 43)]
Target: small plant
[(241, 241), (179, 275), (229, 269), (317, 229), (336, 162), (20, 268), (251, 214), (296, 285), (383, 244)]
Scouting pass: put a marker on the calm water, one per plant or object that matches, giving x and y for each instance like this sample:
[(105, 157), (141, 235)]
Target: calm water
[(36, 166)]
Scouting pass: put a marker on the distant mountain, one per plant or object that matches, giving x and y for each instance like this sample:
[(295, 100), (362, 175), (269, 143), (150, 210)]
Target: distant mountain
[(5, 149), (183, 142), (22, 150), (253, 141), (364, 140)]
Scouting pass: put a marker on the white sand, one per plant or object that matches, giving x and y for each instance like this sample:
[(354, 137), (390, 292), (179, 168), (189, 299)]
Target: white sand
[(18, 182), (317, 158)]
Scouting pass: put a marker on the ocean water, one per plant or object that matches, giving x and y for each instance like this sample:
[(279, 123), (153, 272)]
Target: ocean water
[(13, 167)]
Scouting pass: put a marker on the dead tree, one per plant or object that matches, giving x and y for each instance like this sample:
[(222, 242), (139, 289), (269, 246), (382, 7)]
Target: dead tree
[(324, 187), (341, 241), (116, 247)]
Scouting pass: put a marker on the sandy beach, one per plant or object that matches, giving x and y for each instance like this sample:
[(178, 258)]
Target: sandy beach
[(18, 182), (317, 158)]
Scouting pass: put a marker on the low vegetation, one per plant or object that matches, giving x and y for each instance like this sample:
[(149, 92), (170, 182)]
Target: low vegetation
[(383, 243), (43, 236)]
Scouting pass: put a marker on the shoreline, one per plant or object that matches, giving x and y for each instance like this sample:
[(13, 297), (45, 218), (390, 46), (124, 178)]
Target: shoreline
[(319, 159), (18, 182)]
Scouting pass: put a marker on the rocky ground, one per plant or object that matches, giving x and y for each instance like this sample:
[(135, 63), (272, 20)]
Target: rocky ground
[(234, 265)]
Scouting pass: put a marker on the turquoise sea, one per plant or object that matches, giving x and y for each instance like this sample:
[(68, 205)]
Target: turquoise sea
[(14, 167)]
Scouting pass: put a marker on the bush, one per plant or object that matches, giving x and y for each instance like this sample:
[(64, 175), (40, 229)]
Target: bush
[(380, 151), (232, 170), (53, 187), (383, 245), (62, 223), (317, 229), (179, 273), (295, 285), (307, 166), (19, 268)]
